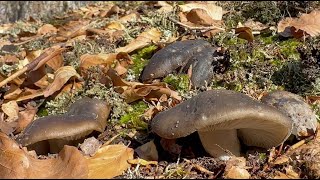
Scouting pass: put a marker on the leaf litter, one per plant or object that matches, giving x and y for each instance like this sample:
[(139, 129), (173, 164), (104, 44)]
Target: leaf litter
[(46, 64)]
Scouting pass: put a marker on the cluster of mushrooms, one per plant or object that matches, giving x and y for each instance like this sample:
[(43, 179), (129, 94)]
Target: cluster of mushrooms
[(223, 118)]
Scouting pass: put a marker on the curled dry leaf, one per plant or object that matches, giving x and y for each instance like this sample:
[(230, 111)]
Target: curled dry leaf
[(88, 60), (47, 29), (11, 109), (298, 27), (109, 161), (73, 29), (142, 162), (62, 75), (13, 92), (129, 18), (165, 7), (25, 117), (16, 163), (143, 40), (6, 127), (245, 33), (236, 169), (215, 12), (56, 62)]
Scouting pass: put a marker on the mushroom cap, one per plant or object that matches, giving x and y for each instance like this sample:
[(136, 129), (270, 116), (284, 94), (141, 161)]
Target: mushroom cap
[(171, 57), (257, 124), (304, 119), (84, 116)]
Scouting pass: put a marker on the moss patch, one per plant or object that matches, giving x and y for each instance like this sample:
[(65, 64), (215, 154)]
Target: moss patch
[(179, 82), (134, 117)]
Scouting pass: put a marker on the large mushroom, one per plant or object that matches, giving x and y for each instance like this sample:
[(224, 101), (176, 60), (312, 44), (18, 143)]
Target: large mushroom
[(222, 119), (51, 133), (304, 119)]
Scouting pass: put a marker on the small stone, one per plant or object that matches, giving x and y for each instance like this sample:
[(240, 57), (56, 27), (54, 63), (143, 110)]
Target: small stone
[(90, 146)]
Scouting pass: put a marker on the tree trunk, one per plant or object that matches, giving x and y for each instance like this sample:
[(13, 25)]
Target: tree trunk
[(11, 11)]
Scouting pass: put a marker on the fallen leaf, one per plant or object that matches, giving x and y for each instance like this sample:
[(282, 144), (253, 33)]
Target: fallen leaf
[(25, 117), (73, 29), (255, 25), (298, 27), (115, 26), (129, 18), (144, 39), (165, 7), (90, 146), (13, 92), (200, 17), (29, 94), (142, 162), (88, 60), (245, 33), (11, 109), (56, 62), (47, 29), (15, 163), (109, 161), (236, 169), (62, 75), (215, 12), (6, 127), (147, 151)]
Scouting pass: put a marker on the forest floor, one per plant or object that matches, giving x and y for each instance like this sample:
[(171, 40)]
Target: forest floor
[(90, 43)]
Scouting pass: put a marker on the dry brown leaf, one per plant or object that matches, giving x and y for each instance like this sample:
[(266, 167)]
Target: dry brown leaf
[(25, 117), (298, 27), (147, 151), (109, 161), (236, 169), (62, 75), (88, 60), (165, 7), (255, 25), (47, 29), (56, 62), (142, 162), (143, 40), (215, 12), (129, 18), (73, 29), (11, 109), (245, 33), (200, 17), (115, 26), (13, 92), (6, 127), (16, 163), (29, 94)]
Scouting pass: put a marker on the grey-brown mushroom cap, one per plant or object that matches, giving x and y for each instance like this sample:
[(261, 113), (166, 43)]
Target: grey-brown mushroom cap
[(84, 116), (303, 117), (257, 124)]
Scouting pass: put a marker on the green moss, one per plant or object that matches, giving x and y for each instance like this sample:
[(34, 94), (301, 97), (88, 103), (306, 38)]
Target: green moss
[(140, 59), (134, 116), (268, 39), (288, 49), (42, 112), (180, 82)]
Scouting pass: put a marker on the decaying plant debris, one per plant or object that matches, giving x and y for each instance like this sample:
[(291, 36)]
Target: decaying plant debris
[(100, 51)]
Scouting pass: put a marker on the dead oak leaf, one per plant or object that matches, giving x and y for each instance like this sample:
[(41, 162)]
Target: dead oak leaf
[(62, 75), (297, 27), (88, 60), (213, 11), (47, 29), (109, 161), (143, 40), (11, 109), (15, 163)]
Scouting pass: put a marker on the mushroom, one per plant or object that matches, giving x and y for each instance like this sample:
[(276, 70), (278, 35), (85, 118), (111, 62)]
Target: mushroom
[(222, 118), (172, 57), (51, 133), (304, 119)]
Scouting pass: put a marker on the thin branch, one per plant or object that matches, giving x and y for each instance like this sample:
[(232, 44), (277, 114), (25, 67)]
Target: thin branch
[(195, 28)]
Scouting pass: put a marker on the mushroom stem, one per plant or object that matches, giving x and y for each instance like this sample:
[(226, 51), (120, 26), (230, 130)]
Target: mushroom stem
[(221, 144)]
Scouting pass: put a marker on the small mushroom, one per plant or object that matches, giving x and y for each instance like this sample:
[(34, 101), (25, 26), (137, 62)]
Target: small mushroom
[(304, 119), (172, 57), (51, 133), (222, 118)]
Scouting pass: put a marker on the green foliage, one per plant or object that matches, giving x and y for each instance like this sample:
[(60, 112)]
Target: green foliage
[(133, 118), (180, 82), (140, 59), (288, 49)]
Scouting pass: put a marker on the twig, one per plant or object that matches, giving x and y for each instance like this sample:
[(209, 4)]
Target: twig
[(34, 65), (195, 28)]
